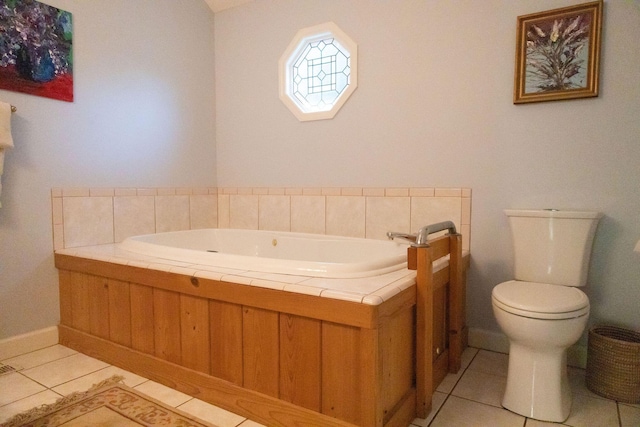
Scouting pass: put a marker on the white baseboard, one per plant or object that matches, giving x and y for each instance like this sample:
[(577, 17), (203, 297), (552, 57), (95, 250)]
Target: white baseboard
[(25, 343), (497, 341)]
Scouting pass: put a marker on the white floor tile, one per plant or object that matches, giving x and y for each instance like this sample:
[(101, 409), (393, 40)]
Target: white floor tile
[(87, 381), (45, 397), (39, 357), (163, 393), (63, 370), (211, 413), (436, 404), (629, 415), (16, 386), (481, 387), (587, 411), (476, 392), (490, 362), (465, 413)]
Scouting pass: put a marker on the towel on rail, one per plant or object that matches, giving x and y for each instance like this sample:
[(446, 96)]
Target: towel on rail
[(6, 140)]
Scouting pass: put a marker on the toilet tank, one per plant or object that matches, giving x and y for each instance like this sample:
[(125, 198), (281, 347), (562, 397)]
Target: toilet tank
[(552, 246)]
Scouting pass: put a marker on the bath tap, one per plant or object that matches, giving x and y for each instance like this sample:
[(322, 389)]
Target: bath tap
[(420, 238)]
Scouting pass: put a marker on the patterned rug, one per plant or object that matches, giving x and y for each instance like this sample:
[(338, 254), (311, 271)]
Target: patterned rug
[(109, 403)]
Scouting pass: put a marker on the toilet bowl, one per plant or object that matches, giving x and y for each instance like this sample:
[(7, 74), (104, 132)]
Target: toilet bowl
[(542, 312), (541, 321)]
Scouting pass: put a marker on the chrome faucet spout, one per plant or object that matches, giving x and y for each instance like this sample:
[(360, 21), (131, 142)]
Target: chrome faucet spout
[(420, 238), (394, 235)]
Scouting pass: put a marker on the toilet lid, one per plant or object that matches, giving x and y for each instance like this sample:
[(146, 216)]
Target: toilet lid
[(540, 298)]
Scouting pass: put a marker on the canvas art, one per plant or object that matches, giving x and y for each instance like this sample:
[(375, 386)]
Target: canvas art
[(36, 55), (558, 54)]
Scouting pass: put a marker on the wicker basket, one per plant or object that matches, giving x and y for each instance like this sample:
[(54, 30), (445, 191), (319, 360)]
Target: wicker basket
[(613, 363)]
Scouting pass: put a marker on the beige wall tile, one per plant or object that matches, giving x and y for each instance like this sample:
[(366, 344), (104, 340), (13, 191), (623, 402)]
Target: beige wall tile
[(308, 214), (387, 214), (204, 211), (133, 215), (125, 192), (275, 213), (58, 237), (351, 191), (396, 192), (223, 210), (430, 210), (422, 192), (56, 210), (331, 191), (172, 213), (75, 192), (465, 214), (87, 221), (373, 192), (345, 216), (147, 192), (243, 211), (101, 192)]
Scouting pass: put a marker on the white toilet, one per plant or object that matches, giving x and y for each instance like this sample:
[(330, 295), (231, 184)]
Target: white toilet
[(542, 311)]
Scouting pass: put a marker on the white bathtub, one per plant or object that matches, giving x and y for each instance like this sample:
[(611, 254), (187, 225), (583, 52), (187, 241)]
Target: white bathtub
[(275, 252)]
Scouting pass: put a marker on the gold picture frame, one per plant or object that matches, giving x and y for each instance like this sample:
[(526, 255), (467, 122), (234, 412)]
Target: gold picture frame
[(558, 54)]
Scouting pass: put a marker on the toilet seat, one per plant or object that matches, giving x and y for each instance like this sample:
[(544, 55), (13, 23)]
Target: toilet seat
[(540, 300)]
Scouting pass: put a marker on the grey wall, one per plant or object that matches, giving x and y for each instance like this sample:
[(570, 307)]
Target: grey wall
[(143, 115), (434, 108)]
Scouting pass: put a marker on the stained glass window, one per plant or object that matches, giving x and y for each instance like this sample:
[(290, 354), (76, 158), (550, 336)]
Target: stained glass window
[(317, 72)]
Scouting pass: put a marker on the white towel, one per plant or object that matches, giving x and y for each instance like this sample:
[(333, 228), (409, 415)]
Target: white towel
[(6, 141)]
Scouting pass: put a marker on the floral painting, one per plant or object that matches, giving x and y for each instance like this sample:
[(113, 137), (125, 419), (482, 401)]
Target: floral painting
[(557, 54), (36, 55)]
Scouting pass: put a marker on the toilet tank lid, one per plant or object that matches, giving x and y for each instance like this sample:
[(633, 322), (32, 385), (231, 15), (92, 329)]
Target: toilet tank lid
[(540, 297), (552, 213)]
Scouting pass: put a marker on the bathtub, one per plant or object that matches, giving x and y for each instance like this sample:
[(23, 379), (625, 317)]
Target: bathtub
[(275, 252), (270, 348)]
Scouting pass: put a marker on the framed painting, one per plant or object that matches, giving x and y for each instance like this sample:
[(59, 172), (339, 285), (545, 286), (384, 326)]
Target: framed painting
[(36, 55), (558, 54)]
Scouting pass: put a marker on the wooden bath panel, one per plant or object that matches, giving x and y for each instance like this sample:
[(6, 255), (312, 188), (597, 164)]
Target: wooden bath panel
[(276, 357)]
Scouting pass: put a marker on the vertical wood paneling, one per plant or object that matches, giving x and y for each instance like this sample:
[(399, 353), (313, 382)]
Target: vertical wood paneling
[(300, 361), (65, 283), (194, 333), (396, 346), (80, 302), (439, 319), (119, 312), (341, 382), (142, 330), (261, 355), (166, 317), (99, 306), (226, 341)]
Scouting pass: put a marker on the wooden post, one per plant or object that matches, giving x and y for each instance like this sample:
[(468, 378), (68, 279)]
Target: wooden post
[(424, 329), (456, 302)]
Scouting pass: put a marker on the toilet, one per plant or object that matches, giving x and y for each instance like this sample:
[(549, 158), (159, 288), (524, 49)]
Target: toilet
[(542, 311)]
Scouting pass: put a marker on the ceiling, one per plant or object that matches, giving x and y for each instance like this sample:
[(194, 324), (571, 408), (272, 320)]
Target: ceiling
[(218, 5)]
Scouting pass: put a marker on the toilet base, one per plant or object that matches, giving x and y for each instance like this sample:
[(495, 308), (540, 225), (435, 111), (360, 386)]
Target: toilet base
[(537, 383)]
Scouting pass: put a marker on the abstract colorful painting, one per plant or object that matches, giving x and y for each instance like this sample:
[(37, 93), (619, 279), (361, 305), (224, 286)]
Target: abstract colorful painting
[(36, 55)]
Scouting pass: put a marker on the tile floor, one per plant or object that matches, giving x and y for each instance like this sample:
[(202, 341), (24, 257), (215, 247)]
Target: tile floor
[(469, 398)]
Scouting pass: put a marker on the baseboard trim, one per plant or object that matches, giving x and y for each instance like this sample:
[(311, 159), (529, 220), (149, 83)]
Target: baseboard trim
[(497, 341), (25, 343)]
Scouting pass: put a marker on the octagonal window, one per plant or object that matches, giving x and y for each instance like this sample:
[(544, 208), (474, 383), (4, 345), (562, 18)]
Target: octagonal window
[(318, 72)]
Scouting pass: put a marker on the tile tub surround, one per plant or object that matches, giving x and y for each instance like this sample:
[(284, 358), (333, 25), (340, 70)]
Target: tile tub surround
[(95, 216)]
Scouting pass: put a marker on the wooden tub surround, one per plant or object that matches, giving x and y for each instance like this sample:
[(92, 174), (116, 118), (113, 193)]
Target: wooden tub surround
[(277, 357)]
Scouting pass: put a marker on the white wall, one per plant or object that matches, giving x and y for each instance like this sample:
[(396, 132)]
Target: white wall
[(143, 116), (434, 108)]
